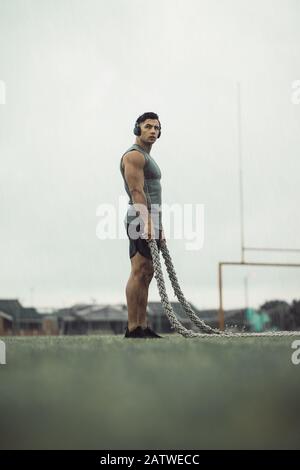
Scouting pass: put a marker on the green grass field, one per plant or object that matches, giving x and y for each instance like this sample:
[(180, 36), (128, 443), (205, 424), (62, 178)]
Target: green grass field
[(107, 392)]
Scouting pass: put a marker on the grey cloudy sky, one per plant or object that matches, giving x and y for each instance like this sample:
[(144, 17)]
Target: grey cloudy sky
[(77, 75)]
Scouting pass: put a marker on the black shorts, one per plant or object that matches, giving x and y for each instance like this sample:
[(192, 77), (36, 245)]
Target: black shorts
[(141, 245)]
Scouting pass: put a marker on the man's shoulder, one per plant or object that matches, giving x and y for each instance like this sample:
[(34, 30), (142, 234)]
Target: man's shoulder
[(133, 156)]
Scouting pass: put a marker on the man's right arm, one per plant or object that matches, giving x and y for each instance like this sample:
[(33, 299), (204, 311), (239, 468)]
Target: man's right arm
[(134, 163)]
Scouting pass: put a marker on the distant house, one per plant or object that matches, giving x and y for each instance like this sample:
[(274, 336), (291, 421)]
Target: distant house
[(280, 314), (209, 316), (82, 319), (295, 313), (159, 320), (49, 325), (24, 321), (235, 319), (30, 322), (6, 324), (11, 306)]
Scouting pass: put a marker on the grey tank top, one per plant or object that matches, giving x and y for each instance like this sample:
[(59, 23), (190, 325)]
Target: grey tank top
[(152, 189)]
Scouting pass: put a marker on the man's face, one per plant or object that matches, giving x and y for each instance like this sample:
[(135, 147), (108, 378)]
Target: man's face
[(149, 130)]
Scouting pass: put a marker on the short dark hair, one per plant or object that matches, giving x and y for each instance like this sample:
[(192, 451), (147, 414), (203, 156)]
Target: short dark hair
[(145, 116)]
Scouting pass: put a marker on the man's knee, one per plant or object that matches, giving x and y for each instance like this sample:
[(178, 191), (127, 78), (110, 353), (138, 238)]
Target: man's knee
[(144, 270), (148, 275)]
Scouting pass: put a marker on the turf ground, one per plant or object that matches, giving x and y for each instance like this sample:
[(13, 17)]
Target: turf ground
[(107, 392)]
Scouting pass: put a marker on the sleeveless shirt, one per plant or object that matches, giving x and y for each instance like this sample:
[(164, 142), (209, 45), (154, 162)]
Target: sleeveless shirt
[(152, 189)]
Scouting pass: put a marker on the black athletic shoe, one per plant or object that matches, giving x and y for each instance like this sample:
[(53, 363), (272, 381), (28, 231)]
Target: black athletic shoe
[(150, 333), (136, 333)]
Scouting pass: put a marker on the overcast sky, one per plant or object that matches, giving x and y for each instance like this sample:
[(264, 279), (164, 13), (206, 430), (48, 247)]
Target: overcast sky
[(78, 73)]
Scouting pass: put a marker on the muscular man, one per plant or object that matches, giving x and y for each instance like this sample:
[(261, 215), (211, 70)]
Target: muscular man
[(143, 220)]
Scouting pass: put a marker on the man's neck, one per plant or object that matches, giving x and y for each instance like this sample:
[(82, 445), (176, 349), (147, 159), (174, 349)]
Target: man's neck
[(146, 147)]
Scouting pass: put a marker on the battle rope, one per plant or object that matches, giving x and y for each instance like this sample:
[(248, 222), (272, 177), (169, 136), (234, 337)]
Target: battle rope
[(206, 330)]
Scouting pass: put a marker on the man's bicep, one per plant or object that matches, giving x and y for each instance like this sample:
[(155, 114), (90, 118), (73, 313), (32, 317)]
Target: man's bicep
[(134, 173)]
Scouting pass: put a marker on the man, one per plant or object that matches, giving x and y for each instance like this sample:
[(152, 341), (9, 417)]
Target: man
[(143, 220)]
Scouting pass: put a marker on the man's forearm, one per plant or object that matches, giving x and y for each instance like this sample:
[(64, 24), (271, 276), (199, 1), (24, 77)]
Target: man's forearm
[(140, 204)]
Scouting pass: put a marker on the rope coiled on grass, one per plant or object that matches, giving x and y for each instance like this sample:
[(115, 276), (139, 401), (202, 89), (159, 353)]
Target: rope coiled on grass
[(205, 330)]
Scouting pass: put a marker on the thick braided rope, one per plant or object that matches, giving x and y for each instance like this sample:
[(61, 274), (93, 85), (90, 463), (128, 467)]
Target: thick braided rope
[(175, 323), (207, 331), (180, 296)]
